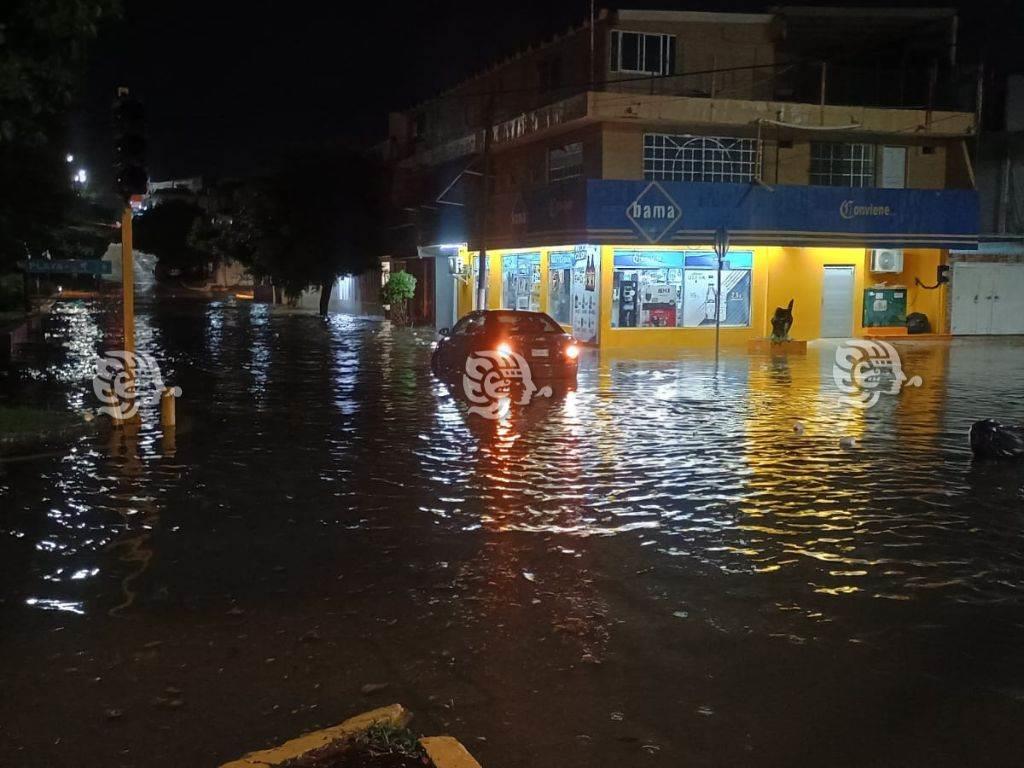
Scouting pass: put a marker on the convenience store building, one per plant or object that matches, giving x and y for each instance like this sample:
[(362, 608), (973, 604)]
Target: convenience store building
[(630, 263)]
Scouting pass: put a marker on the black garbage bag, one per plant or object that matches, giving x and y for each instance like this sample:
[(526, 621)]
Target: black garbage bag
[(917, 322), (992, 440)]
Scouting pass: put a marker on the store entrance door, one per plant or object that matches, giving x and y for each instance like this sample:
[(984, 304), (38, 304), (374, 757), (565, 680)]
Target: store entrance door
[(837, 303)]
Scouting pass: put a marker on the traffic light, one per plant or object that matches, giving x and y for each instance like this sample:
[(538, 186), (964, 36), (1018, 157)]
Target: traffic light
[(129, 145), (942, 274)]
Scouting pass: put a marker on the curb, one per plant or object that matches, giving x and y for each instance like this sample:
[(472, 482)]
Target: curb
[(444, 751), (315, 744), (17, 441)]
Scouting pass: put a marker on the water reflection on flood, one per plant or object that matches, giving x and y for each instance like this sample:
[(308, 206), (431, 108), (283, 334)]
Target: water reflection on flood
[(703, 467), (709, 468), (658, 488)]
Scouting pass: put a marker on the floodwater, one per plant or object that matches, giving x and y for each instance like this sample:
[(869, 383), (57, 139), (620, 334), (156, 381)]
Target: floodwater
[(653, 570)]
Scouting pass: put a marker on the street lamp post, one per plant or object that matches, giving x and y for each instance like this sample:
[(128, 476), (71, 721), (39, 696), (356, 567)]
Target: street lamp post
[(721, 249)]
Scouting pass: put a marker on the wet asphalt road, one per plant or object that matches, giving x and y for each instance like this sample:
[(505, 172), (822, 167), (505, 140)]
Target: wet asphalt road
[(654, 569)]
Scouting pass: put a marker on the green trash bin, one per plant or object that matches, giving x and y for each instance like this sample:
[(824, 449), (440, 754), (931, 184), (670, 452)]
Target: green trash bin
[(885, 307)]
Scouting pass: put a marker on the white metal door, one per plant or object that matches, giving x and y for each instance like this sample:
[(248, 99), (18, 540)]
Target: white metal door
[(988, 298), (969, 300), (894, 167), (837, 303), (1008, 298)]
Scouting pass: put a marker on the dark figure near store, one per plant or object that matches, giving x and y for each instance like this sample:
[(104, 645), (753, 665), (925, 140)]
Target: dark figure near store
[(782, 321), (992, 440)]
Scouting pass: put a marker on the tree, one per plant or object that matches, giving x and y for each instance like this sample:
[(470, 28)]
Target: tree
[(42, 44), (332, 209), (165, 231), (315, 218), (243, 222)]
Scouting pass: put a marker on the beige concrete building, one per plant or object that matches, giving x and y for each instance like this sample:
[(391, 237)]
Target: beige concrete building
[(726, 117)]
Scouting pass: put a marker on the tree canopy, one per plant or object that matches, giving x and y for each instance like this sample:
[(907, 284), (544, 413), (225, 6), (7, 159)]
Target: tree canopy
[(166, 231), (319, 216), (42, 45)]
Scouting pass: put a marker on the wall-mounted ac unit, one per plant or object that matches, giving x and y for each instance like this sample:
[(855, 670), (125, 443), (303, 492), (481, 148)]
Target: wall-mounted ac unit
[(887, 260)]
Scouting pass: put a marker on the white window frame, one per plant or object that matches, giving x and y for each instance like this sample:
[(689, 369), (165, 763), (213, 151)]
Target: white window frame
[(866, 164), (666, 44), (687, 157), (566, 170)]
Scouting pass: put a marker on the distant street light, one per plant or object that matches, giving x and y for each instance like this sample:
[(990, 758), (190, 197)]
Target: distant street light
[(69, 158)]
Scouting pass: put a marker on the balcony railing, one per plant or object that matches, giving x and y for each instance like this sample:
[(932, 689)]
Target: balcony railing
[(936, 87), (811, 82)]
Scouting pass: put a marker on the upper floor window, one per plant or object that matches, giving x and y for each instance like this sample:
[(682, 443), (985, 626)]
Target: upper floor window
[(565, 162), (643, 54), (699, 158), (842, 164)]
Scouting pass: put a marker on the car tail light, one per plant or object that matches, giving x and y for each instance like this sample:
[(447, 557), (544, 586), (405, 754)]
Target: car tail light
[(572, 352)]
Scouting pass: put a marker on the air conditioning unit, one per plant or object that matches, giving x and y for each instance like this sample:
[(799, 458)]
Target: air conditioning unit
[(887, 260)]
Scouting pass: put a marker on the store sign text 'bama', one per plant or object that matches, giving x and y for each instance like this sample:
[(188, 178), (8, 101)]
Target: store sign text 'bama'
[(654, 213)]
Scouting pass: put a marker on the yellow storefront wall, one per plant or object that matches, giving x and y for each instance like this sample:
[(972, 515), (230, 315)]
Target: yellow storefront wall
[(799, 274), (923, 264), (780, 273)]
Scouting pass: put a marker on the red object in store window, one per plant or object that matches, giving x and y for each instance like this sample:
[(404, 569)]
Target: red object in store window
[(661, 315)]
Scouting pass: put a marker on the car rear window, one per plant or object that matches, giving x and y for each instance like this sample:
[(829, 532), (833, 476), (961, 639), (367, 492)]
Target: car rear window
[(515, 324)]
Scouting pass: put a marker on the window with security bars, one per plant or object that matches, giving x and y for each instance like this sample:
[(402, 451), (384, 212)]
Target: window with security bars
[(699, 158), (565, 162), (842, 164)]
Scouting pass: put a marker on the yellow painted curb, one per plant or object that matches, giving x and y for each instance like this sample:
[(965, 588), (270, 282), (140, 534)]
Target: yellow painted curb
[(446, 752), (395, 715)]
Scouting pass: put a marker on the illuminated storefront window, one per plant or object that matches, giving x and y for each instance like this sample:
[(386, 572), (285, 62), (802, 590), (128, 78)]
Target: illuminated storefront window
[(520, 281), (676, 289), (560, 265)]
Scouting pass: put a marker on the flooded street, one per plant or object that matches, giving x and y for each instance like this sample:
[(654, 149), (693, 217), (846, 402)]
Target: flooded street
[(655, 569)]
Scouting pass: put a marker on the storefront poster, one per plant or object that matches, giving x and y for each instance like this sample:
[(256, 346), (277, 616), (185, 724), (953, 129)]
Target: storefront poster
[(586, 284), (659, 305), (561, 260), (521, 281), (700, 286)]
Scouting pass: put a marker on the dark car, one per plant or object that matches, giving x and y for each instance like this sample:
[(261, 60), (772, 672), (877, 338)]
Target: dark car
[(550, 352)]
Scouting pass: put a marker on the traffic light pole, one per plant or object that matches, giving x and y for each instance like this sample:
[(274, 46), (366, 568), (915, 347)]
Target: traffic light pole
[(128, 279)]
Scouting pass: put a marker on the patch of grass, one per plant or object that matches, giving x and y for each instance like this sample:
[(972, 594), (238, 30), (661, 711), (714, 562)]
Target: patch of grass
[(381, 746), (32, 421), (384, 739)]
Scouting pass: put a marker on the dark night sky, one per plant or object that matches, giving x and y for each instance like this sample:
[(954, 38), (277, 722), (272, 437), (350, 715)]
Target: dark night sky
[(228, 85)]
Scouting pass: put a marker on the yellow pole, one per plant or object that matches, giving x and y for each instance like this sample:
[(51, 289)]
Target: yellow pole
[(128, 279), (168, 417), (128, 309)]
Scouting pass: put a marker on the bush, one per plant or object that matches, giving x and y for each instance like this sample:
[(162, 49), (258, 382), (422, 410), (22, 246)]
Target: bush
[(399, 288)]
